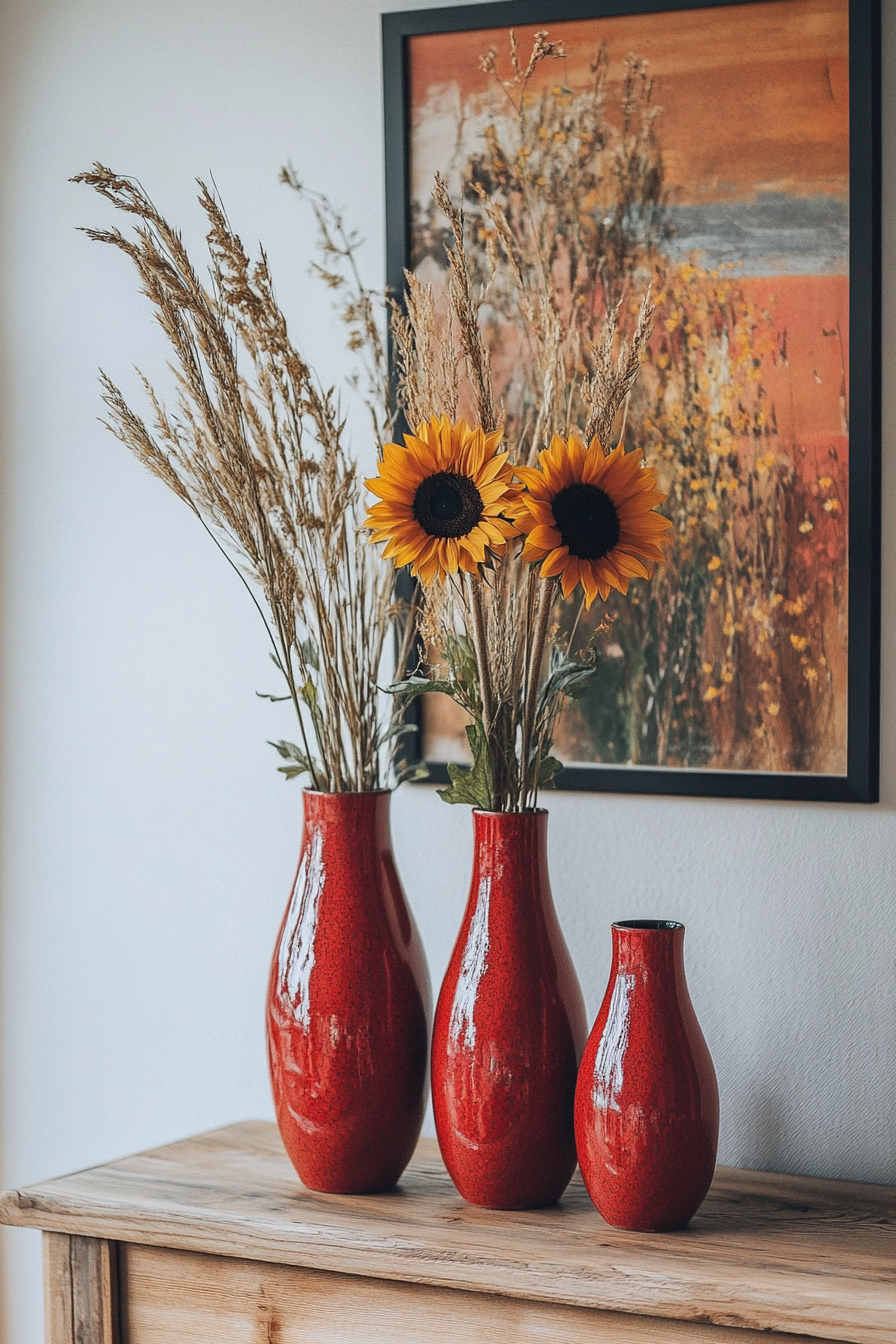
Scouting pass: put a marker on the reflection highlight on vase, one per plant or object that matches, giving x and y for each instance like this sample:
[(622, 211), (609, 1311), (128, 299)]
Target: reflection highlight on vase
[(608, 1064), (296, 952), (472, 969)]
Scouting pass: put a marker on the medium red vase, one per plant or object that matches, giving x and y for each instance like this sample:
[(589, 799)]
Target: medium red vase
[(509, 1029), (647, 1104), (348, 1004)]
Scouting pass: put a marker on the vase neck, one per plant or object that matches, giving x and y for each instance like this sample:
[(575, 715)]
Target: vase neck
[(510, 857), (362, 818), (653, 948)]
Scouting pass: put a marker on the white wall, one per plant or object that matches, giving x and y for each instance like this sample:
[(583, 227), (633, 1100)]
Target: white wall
[(148, 840)]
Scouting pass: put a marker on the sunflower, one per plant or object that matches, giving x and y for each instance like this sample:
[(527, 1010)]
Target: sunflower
[(589, 517), (443, 499)]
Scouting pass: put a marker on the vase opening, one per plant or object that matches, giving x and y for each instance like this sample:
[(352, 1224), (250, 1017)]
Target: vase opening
[(523, 812), (346, 793), (647, 924)]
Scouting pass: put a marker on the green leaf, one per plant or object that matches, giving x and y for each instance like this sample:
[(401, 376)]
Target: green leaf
[(397, 730), (415, 686), (288, 750), (471, 783), (577, 689), (264, 695), (298, 758), (308, 649), (547, 770), (412, 774), (463, 788), (566, 678), (462, 661)]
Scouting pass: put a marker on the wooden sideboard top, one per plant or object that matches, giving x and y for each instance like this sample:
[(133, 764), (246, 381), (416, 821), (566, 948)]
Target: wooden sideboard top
[(788, 1253)]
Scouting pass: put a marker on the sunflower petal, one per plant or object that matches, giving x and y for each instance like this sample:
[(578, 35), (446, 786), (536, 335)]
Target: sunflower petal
[(532, 478), (555, 563), (589, 584), (546, 538), (570, 577), (490, 494)]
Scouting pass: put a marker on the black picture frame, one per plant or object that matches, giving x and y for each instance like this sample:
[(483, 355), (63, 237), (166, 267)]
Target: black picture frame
[(860, 783)]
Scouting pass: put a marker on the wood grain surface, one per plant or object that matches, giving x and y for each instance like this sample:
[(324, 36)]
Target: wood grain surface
[(766, 1252), (200, 1299), (80, 1290)]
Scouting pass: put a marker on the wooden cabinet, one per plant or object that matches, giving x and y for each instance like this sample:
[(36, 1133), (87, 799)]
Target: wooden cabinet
[(214, 1241)]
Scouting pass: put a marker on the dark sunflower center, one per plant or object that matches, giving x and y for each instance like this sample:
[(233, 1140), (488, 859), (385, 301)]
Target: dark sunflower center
[(447, 505), (587, 520)]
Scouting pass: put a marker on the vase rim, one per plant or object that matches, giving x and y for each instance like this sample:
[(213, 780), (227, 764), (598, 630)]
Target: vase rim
[(647, 925), (529, 812), (346, 793)]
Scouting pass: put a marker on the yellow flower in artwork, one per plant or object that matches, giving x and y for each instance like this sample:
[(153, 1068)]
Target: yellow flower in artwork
[(589, 517), (446, 498)]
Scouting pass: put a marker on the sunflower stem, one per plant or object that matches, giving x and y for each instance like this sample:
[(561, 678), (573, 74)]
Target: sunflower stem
[(480, 648), (528, 774), (575, 626)]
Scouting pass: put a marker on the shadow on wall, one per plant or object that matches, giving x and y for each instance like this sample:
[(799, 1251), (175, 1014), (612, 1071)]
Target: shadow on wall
[(763, 1130)]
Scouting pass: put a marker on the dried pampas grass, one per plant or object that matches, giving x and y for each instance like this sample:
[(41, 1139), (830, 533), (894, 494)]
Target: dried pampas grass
[(254, 446)]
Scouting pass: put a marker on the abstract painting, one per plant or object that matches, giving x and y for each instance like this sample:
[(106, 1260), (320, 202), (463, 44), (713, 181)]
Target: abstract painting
[(712, 155)]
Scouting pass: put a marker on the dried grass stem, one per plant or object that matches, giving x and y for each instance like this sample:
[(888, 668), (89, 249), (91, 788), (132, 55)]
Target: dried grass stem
[(254, 447)]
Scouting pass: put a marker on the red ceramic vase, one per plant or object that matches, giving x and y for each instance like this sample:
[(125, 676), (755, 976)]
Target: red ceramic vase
[(509, 1029), (647, 1104), (348, 1004)]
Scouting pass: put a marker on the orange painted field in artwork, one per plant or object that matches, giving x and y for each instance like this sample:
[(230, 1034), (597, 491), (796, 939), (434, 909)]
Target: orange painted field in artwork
[(808, 378)]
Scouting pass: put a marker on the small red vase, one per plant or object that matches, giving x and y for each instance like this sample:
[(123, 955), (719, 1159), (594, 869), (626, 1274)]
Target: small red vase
[(509, 1029), (348, 1004), (647, 1104)]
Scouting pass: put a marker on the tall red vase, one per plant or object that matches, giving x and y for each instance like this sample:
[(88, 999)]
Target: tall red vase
[(348, 1004), (647, 1104), (509, 1029)]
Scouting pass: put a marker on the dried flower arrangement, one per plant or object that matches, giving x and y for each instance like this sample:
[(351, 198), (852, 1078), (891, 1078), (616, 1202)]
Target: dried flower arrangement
[(255, 448), (500, 539)]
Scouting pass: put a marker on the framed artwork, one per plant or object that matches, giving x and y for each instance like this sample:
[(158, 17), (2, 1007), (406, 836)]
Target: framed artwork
[(727, 156)]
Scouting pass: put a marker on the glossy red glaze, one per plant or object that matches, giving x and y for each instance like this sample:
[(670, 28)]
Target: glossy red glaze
[(348, 1004), (509, 1029), (647, 1104)]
